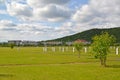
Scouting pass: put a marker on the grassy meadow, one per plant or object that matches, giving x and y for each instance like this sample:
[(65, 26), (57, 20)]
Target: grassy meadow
[(32, 63)]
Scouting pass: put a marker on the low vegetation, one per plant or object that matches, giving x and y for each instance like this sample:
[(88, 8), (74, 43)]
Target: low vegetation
[(31, 63), (79, 46), (100, 46)]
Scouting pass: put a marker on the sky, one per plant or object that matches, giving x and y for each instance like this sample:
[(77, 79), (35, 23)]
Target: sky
[(50, 19)]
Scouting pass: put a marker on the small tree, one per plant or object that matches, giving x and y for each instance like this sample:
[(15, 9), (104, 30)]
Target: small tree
[(100, 46), (79, 46), (11, 45)]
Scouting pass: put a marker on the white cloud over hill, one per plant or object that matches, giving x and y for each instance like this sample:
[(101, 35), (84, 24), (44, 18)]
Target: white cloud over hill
[(47, 19)]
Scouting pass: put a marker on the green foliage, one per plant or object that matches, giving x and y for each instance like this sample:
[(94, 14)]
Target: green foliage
[(4, 44), (78, 46), (100, 46), (11, 45)]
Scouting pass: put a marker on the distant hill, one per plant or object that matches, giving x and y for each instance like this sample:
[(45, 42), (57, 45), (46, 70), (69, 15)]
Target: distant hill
[(87, 35)]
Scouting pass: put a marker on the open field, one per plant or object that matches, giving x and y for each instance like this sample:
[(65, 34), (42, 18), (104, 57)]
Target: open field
[(31, 63)]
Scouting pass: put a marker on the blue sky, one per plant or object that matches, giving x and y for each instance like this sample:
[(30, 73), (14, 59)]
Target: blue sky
[(50, 19)]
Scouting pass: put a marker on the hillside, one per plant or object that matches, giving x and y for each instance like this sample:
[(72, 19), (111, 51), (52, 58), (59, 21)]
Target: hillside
[(87, 35)]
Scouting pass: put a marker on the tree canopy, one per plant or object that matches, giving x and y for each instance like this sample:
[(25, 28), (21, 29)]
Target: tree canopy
[(78, 46), (100, 46)]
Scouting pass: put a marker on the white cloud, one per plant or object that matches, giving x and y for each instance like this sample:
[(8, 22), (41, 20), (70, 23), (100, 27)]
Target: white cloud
[(6, 23), (7, 26), (50, 10), (52, 13), (95, 14), (40, 10), (32, 31), (21, 11), (42, 3), (26, 31), (1, 1), (98, 13), (3, 12)]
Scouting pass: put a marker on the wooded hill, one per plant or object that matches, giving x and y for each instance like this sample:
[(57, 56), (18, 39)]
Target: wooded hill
[(87, 35)]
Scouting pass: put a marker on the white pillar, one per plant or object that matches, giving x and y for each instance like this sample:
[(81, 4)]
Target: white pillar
[(44, 49), (110, 47), (63, 49), (85, 49), (53, 49), (73, 49), (117, 51)]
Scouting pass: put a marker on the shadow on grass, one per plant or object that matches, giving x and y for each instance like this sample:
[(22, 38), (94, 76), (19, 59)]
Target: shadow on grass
[(6, 75), (113, 66)]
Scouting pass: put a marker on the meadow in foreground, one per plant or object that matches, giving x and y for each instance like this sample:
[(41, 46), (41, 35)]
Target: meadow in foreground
[(31, 63)]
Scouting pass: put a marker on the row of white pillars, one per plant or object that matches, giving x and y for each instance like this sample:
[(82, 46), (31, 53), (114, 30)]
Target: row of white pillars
[(45, 49)]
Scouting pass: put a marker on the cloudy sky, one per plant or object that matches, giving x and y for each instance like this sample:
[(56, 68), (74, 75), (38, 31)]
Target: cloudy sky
[(50, 19)]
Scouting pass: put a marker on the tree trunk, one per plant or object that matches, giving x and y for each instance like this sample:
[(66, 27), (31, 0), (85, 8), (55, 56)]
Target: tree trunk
[(101, 60), (104, 61), (78, 54)]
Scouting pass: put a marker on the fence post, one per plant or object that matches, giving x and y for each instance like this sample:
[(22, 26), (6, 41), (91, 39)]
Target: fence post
[(73, 49), (53, 49), (63, 49), (85, 49), (44, 49), (117, 50)]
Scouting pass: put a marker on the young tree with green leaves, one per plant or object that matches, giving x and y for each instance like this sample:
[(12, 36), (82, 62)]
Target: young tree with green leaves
[(100, 46), (11, 45), (79, 47)]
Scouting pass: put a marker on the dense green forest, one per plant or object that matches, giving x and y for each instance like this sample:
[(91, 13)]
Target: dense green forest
[(87, 35)]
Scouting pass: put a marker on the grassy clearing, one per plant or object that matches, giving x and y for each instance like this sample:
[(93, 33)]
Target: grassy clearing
[(60, 72), (34, 64), (37, 56)]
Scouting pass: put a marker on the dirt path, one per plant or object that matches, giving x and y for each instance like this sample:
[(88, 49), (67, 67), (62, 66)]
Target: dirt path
[(69, 63), (45, 64)]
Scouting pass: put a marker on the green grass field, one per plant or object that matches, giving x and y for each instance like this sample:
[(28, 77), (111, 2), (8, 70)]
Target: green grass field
[(31, 63)]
